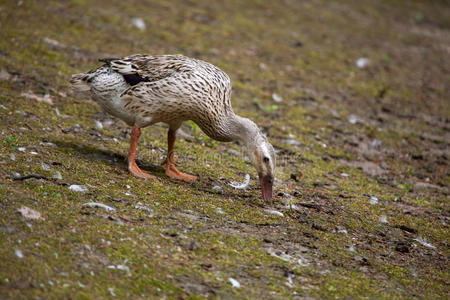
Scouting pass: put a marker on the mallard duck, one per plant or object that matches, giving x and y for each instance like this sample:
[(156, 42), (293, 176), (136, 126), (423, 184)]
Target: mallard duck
[(142, 90)]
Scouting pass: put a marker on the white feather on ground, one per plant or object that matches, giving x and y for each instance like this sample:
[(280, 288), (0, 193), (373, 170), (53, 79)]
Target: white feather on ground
[(241, 186)]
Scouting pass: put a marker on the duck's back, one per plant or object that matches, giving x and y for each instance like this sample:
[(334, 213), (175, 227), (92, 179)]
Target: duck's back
[(165, 88)]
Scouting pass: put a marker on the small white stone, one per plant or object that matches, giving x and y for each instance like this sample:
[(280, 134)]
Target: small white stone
[(353, 119), (290, 282), (383, 219), (120, 267), (57, 176), (292, 141), (362, 62), (344, 175), (274, 212), (217, 189), (234, 283), (30, 213), (18, 253), (373, 200), (276, 98), (425, 243), (98, 124), (22, 149), (138, 23), (99, 205), (78, 188), (45, 166)]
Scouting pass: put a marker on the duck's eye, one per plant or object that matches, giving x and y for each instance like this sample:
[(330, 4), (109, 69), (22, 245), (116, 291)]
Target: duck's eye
[(266, 159)]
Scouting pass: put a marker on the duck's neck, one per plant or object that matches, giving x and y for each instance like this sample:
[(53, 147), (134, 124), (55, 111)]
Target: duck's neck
[(237, 128)]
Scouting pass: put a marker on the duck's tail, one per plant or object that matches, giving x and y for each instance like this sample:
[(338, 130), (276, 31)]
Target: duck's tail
[(80, 82), (107, 60)]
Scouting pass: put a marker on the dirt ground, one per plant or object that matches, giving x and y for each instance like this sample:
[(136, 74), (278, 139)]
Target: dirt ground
[(362, 132)]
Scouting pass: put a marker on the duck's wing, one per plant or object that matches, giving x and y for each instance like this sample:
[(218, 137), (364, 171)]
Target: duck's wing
[(139, 67)]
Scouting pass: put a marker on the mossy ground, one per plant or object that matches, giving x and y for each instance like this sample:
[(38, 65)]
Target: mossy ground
[(330, 243)]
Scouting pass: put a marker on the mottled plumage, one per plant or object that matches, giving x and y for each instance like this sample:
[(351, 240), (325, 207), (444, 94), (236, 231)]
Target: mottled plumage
[(143, 90)]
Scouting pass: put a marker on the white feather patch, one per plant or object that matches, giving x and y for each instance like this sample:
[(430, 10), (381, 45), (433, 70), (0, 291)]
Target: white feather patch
[(243, 185)]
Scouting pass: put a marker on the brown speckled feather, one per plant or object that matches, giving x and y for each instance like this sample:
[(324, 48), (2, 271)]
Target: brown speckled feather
[(153, 68), (175, 88)]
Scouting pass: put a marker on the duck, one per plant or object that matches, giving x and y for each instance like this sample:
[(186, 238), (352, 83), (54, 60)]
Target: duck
[(142, 90)]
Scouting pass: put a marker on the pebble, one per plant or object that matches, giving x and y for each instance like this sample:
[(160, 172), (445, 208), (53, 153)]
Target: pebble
[(57, 176), (138, 23), (424, 242), (274, 212), (344, 231), (353, 119), (100, 205), (98, 124), (276, 98), (362, 62), (373, 200), (45, 166), (30, 213), (78, 188), (120, 267), (234, 282), (18, 253), (292, 142), (218, 189)]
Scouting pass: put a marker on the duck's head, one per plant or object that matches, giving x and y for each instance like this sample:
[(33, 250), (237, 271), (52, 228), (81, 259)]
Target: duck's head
[(263, 157), (259, 150)]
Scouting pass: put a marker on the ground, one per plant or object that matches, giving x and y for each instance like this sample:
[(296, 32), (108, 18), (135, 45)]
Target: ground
[(362, 133)]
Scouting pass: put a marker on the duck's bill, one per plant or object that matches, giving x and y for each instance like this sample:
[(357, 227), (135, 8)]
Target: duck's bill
[(266, 187)]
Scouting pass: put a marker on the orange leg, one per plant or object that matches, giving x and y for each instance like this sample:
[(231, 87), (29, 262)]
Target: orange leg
[(171, 171), (132, 166)]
